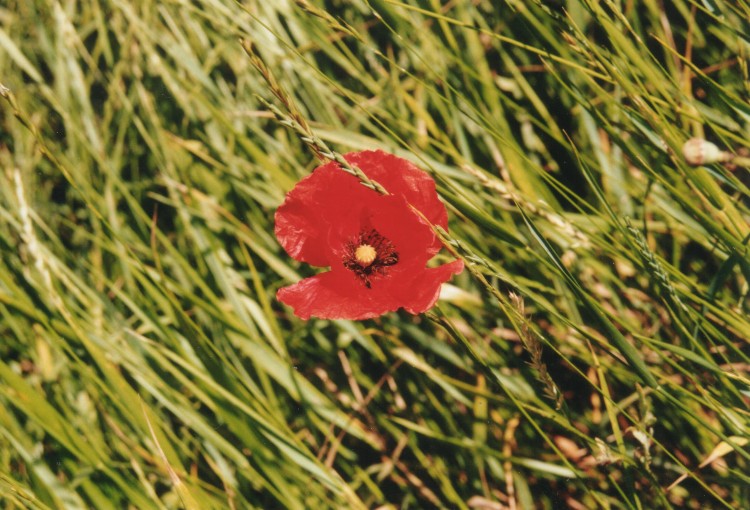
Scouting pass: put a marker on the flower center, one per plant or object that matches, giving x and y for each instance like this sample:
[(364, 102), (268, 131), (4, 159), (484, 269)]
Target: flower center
[(365, 254), (369, 254)]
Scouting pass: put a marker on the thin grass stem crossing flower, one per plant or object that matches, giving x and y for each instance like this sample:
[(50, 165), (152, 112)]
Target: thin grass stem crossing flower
[(376, 246)]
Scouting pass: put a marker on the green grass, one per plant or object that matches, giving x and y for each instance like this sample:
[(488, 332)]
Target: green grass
[(596, 349)]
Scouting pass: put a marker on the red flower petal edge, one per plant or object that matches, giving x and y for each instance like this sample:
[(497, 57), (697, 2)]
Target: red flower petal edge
[(376, 246)]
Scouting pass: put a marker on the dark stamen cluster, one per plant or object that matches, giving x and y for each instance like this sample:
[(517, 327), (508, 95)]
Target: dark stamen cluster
[(386, 255)]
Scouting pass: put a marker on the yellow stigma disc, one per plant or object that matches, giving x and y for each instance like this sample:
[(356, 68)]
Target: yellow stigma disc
[(365, 254)]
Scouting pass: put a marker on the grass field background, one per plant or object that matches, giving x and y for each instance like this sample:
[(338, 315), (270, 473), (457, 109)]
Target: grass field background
[(594, 354)]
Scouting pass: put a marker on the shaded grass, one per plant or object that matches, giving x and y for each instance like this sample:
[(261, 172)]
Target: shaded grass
[(147, 363)]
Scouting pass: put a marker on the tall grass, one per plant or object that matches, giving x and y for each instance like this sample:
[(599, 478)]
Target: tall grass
[(594, 355)]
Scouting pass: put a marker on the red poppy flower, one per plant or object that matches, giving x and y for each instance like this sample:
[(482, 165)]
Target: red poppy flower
[(376, 246)]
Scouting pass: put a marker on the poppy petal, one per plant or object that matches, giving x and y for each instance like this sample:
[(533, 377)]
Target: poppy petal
[(328, 296), (401, 177), (300, 233), (412, 237), (392, 218), (339, 295), (424, 291), (315, 203)]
